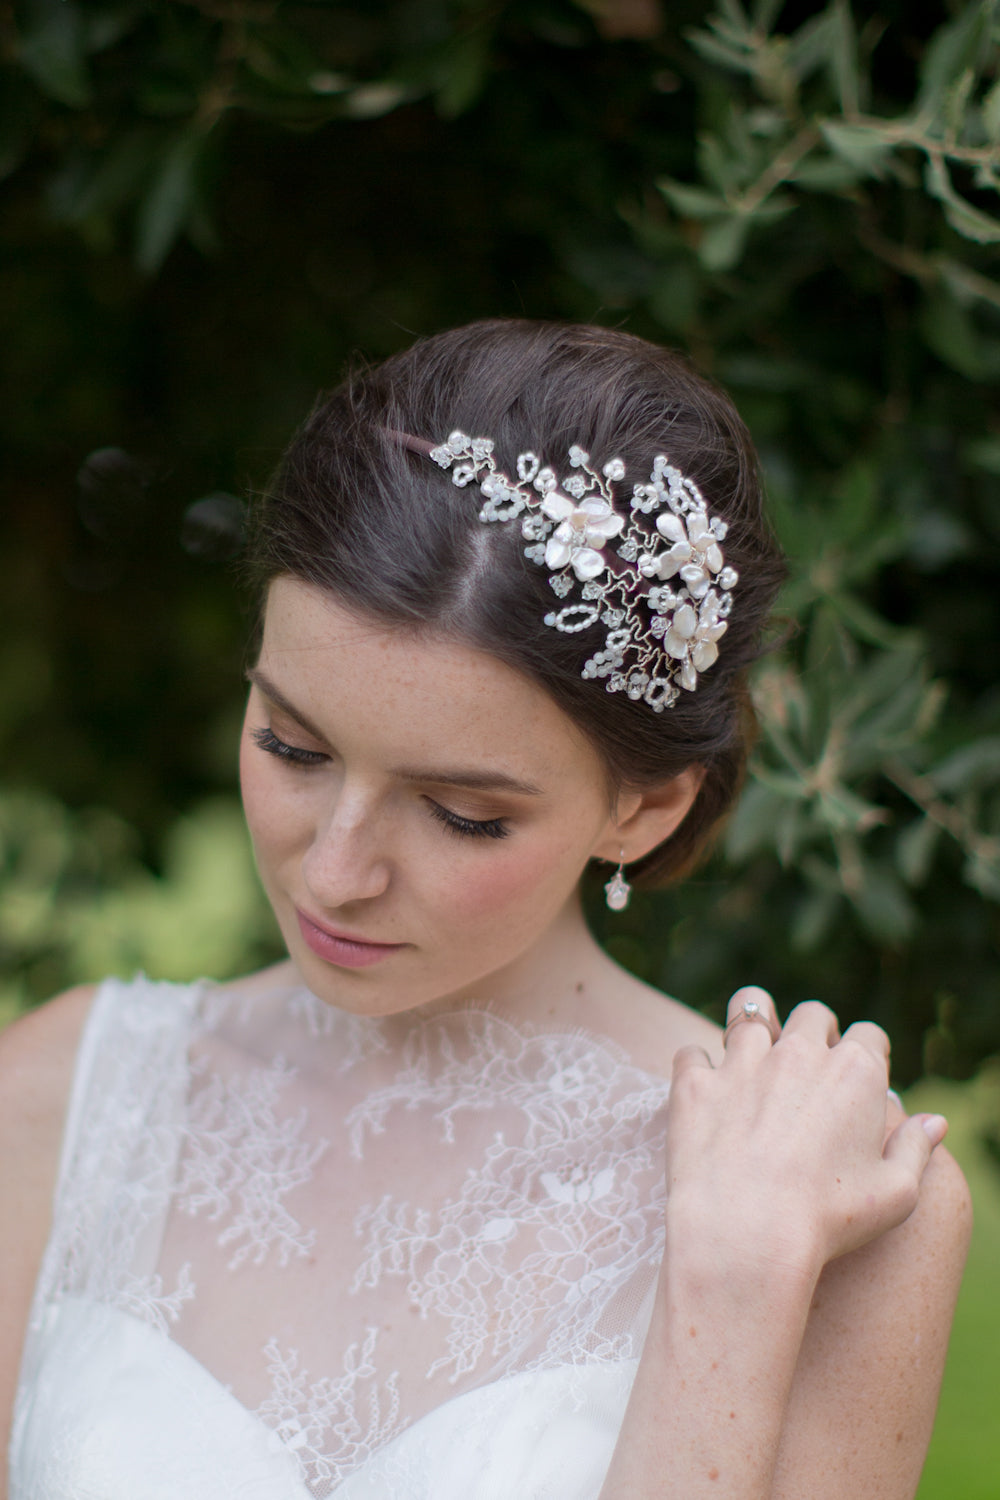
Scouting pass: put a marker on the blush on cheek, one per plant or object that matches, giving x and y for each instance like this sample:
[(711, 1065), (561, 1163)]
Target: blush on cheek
[(250, 789), (266, 814), (518, 882)]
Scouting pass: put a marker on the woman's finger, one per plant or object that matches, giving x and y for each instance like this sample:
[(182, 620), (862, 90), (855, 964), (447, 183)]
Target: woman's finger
[(691, 1056), (752, 1024), (872, 1037), (814, 1019), (911, 1144)]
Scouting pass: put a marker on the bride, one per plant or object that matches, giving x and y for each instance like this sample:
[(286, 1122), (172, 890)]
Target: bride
[(448, 1206)]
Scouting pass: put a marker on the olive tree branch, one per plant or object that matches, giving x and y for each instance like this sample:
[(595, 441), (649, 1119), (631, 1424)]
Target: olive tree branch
[(921, 791)]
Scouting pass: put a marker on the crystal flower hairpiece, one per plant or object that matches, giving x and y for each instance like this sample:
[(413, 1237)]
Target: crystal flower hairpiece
[(664, 600)]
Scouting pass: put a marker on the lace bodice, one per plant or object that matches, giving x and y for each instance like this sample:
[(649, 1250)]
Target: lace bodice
[(303, 1255)]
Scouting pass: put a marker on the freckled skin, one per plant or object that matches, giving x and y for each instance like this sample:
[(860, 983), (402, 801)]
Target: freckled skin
[(358, 847)]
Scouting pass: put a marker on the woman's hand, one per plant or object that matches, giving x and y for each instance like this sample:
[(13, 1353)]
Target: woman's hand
[(777, 1364), (783, 1150)]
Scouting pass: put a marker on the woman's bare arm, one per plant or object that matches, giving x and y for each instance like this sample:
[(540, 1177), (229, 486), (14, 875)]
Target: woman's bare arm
[(37, 1055), (866, 1385), (798, 1337)]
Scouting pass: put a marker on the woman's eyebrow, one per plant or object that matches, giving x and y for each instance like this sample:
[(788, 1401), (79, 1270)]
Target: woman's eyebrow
[(478, 781), (264, 685)]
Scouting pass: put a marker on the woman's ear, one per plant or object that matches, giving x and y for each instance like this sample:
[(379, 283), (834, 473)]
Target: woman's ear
[(647, 818)]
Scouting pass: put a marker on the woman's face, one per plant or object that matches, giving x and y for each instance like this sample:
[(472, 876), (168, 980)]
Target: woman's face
[(421, 813)]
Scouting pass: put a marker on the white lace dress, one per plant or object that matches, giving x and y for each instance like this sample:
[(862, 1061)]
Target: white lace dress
[(299, 1255)]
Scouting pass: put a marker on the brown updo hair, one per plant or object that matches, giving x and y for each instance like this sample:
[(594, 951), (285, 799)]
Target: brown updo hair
[(385, 530)]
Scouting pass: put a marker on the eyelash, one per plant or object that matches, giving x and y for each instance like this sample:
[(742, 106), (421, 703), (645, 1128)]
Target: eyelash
[(473, 828), (268, 740), (477, 828)]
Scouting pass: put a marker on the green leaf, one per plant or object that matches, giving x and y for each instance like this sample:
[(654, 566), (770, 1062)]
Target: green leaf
[(953, 48), (280, 57), (734, 58), (810, 47), (813, 919), (170, 199), (883, 700), (841, 811), (466, 68), (106, 180), (983, 875), (861, 146), (674, 297), (735, 14), (863, 622), (965, 285), (991, 113), (952, 333), (827, 174), (822, 875), (882, 905), (369, 101), (984, 453), (961, 215), (719, 165), (105, 24), (751, 827), (788, 785), (956, 103), (791, 829), (977, 764), (693, 202), (51, 47), (915, 850), (722, 244), (765, 13), (844, 57)]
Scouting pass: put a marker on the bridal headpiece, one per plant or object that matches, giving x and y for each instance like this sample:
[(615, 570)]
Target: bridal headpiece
[(662, 590)]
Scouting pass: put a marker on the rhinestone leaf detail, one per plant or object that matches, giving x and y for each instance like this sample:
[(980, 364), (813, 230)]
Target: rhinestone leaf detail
[(663, 590)]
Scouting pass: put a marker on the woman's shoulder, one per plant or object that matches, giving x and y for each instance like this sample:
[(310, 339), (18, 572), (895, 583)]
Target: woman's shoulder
[(645, 1022), (37, 1059), (37, 1056)]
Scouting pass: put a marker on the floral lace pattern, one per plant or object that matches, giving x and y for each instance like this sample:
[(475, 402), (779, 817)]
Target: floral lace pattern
[(554, 1215), (144, 1297), (242, 1159), (324, 1422), (118, 1160), (407, 1212)]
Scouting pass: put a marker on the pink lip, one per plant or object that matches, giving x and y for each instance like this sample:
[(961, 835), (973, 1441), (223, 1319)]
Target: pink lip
[(341, 949)]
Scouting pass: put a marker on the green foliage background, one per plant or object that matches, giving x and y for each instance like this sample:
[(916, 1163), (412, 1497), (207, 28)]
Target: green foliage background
[(209, 205)]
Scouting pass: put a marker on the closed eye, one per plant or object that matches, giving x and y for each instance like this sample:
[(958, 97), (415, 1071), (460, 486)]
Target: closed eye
[(489, 828), (267, 740), (476, 828)]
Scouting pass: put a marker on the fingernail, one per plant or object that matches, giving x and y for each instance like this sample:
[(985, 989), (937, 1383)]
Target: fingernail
[(894, 1097), (936, 1127)]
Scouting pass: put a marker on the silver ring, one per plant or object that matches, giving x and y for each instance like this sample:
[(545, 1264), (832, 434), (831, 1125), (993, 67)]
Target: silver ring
[(750, 1010)]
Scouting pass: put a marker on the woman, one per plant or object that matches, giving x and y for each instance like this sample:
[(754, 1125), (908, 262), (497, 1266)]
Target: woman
[(415, 1213)]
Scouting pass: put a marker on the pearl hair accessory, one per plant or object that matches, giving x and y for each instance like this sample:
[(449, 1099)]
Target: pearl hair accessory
[(665, 594)]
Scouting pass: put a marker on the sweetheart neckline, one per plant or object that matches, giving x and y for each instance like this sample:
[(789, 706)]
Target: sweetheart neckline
[(616, 1376)]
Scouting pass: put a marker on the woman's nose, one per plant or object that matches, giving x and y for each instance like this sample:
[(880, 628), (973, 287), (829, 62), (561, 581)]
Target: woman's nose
[(346, 861)]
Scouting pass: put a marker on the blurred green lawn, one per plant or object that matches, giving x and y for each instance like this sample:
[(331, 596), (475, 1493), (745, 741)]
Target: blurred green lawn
[(964, 1459)]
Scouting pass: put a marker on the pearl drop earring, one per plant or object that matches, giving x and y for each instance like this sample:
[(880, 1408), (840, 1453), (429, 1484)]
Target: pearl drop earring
[(617, 891)]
